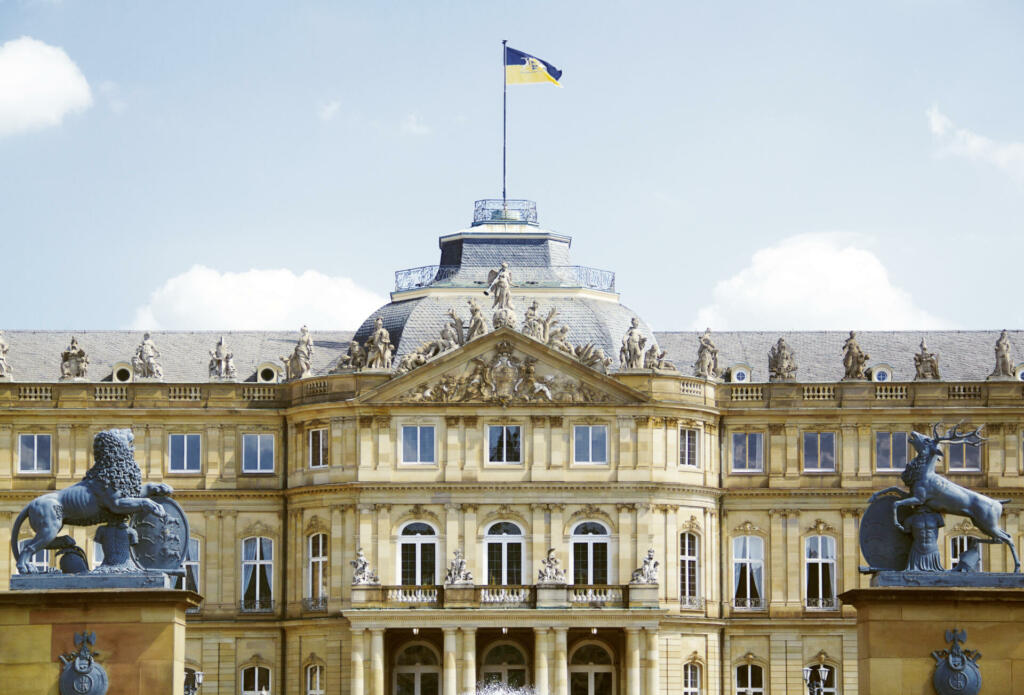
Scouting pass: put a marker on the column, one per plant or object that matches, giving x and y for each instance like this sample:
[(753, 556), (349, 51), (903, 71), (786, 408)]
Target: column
[(561, 661), (377, 661), (469, 541), (449, 684), (540, 660), (358, 662), (632, 661), (794, 558), (468, 660), (653, 670), (385, 554)]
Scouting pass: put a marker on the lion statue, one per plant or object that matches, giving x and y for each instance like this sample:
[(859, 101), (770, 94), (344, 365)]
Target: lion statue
[(111, 491)]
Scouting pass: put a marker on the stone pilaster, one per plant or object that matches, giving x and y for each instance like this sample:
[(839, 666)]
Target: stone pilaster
[(561, 661), (358, 661), (449, 682), (633, 661), (468, 659), (377, 661), (540, 660), (652, 672)]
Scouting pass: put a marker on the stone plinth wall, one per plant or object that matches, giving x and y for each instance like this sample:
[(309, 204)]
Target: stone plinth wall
[(140, 637), (899, 627)]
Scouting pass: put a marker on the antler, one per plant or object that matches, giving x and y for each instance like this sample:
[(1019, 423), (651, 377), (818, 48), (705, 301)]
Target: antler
[(955, 436)]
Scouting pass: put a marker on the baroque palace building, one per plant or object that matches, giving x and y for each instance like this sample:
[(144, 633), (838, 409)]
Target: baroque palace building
[(467, 489)]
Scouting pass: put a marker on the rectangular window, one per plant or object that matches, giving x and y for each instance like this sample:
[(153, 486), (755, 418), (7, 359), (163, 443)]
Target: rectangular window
[(890, 451), (418, 444), (190, 582), (591, 445), (184, 453), (748, 572), (963, 457), (318, 448), (688, 448), (819, 451), (747, 452), (503, 444), (257, 574), (688, 571), (257, 453), (959, 545), (34, 453)]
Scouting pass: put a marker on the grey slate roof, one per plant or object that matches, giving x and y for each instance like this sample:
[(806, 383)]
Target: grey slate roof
[(963, 355)]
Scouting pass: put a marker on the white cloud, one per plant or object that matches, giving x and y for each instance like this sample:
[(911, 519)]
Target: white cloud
[(825, 281), (328, 111), (414, 125), (39, 86), (204, 298), (960, 142)]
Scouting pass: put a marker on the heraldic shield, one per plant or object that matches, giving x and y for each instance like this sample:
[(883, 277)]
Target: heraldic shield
[(81, 674), (956, 670)]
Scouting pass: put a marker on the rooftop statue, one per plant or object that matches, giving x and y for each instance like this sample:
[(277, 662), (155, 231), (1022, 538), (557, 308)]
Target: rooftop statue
[(73, 361), (143, 529), (781, 362), (854, 359), (926, 364), (378, 347), (222, 361), (144, 362), (550, 572), (299, 364), (707, 358), (477, 325), (559, 339), (499, 282), (631, 354), (593, 357), (655, 358), (458, 573), (899, 531), (1004, 365), (362, 574), (648, 571), (5, 368), (355, 358)]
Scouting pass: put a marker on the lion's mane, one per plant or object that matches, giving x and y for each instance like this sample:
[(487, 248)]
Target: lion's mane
[(114, 464)]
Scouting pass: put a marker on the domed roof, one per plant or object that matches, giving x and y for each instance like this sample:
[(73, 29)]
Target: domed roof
[(541, 271)]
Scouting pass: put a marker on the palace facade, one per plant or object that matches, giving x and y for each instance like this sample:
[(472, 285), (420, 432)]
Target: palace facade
[(518, 415)]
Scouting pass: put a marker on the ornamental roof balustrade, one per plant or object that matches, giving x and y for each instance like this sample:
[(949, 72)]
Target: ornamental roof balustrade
[(475, 277), (499, 211)]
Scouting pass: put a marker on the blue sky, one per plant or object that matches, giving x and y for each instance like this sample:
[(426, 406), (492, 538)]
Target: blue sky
[(755, 165)]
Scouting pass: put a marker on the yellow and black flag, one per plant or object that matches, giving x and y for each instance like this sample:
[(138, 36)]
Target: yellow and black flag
[(523, 68)]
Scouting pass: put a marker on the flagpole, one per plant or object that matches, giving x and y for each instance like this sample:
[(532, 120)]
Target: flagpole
[(504, 127)]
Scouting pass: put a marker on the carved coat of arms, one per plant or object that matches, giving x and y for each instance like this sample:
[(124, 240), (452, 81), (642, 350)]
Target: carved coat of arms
[(956, 668), (81, 674)]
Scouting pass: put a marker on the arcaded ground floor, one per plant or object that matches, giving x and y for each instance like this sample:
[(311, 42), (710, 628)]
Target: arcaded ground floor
[(424, 652)]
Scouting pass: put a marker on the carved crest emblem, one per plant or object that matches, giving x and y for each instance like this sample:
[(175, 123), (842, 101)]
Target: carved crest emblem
[(162, 540), (81, 674), (956, 670)]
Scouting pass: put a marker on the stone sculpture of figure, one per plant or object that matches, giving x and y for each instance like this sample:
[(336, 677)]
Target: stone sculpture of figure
[(1004, 365), (593, 357), (550, 572), (499, 283), (355, 358), (455, 331), (648, 572), (559, 340), (5, 368), (926, 363), (707, 357), (378, 347), (924, 527), (73, 361), (458, 573), (654, 358), (222, 361), (299, 365), (854, 359), (362, 574), (631, 354), (144, 363), (449, 337), (477, 325), (412, 360), (781, 362), (533, 326)]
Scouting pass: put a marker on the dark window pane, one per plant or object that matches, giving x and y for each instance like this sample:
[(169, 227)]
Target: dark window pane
[(409, 444), (579, 684), (28, 452), (899, 449), (177, 452), (739, 451), (427, 575), (883, 451), (756, 677), (496, 444), (514, 571), (43, 452), (580, 563), (494, 563), (599, 447), (406, 683), (408, 553), (250, 444), (426, 445), (603, 683), (512, 450), (810, 450), (600, 563), (266, 452), (192, 453), (582, 449), (828, 451), (430, 684)]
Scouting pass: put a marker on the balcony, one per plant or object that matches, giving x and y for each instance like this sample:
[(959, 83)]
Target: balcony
[(512, 596), (822, 604), (475, 277), (506, 597), (599, 596), (504, 211), (315, 603), (691, 603), (413, 596), (748, 604), (256, 605)]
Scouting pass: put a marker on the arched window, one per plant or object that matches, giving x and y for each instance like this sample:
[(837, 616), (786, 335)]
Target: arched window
[(417, 671), (689, 571), (417, 549), (590, 553), (504, 663), (591, 671), (257, 574), (748, 572), (316, 572), (828, 685), (820, 563), (749, 680), (957, 546), (255, 680), (504, 543), (691, 679), (315, 682)]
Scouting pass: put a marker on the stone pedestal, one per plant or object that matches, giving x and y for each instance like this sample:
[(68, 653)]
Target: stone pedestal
[(899, 627), (459, 595), (140, 637), (552, 596), (643, 596)]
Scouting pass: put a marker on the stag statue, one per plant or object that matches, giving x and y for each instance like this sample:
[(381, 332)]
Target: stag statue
[(931, 491)]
